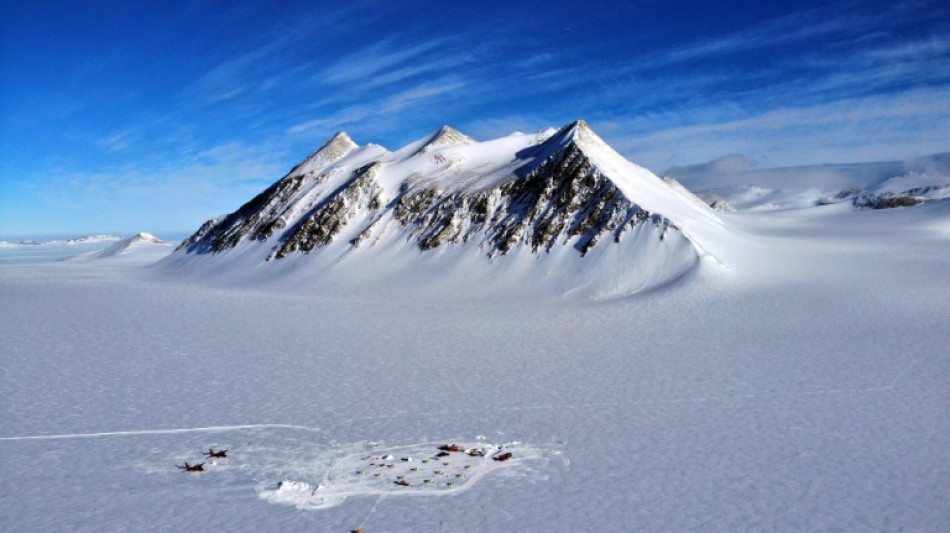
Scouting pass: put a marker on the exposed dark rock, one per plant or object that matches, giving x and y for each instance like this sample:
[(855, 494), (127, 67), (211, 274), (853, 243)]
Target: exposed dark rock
[(717, 202), (326, 220), (888, 200), (265, 214)]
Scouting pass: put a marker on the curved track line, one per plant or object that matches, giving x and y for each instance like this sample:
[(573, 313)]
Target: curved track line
[(159, 431), (713, 398)]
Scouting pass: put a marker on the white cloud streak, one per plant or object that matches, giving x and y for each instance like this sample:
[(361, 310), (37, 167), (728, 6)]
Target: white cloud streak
[(413, 97), (375, 59), (870, 128), (213, 181)]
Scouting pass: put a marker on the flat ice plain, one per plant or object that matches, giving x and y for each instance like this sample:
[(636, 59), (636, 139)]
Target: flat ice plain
[(804, 389)]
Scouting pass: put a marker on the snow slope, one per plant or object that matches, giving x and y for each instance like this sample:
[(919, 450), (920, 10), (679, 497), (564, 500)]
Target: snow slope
[(805, 390)]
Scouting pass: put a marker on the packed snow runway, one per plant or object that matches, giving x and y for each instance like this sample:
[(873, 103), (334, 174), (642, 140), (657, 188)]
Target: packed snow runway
[(804, 388)]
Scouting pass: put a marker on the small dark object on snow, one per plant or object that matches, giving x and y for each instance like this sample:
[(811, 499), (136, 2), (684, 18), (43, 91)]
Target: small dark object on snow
[(503, 457), (442, 454), (403, 482), (193, 468), (450, 448), (219, 453), (476, 453)]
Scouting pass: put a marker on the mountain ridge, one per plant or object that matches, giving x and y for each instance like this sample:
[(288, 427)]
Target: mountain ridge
[(553, 192)]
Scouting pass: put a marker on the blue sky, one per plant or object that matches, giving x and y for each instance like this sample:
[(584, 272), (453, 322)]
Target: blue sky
[(155, 116)]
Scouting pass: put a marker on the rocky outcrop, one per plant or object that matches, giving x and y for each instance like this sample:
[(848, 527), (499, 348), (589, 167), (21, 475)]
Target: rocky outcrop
[(888, 200), (267, 213), (718, 203), (321, 225)]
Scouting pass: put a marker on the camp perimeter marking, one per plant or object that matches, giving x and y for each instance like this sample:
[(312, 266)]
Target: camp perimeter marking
[(425, 469)]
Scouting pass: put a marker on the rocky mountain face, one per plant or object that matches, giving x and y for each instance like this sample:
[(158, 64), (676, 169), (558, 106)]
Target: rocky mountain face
[(535, 192)]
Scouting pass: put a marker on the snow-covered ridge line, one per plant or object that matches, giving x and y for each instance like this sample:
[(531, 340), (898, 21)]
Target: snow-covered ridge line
[(737, 182), (451, 189), (78, 240)]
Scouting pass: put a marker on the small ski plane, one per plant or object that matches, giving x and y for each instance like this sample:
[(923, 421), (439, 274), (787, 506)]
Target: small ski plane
[(193, 468)]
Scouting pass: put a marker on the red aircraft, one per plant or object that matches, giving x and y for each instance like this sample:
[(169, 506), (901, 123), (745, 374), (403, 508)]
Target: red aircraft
[(193, 468)]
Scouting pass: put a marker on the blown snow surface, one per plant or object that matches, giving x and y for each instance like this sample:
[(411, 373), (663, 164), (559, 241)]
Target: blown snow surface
[(805, 390)]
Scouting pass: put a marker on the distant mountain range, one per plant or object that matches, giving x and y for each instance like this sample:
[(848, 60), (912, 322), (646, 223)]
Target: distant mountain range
[(736, 182), (78, 240)]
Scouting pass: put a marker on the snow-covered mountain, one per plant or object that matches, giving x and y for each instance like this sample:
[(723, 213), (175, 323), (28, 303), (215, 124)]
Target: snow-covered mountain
[(738, 182), (556, 205), (69, 242), (138, 242), (137, 250)]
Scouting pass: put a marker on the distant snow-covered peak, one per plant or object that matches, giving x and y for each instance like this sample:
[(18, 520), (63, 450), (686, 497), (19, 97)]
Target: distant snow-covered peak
[(138, 241), (145, 237), (445, 136), (88, 239)]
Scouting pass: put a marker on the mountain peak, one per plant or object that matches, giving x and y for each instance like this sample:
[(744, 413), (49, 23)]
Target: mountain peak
[(332, 150), (139, 240), (577, 134), (445, 136), (145, 237), (341, 136), (577, 129), (340, 143)]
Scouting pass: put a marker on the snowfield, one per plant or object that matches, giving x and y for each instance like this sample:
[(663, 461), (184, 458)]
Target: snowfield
[(802, 386)]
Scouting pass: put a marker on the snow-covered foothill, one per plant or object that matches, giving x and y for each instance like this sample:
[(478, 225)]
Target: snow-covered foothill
[(135, 243), (139, 249)]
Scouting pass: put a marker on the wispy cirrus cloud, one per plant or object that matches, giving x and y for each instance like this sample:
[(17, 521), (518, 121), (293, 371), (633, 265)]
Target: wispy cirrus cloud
[(492, 128), (118, 141), (786, 29), (378, 60), (930, 47), (212, 181), (410, 98), (869, 128)]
